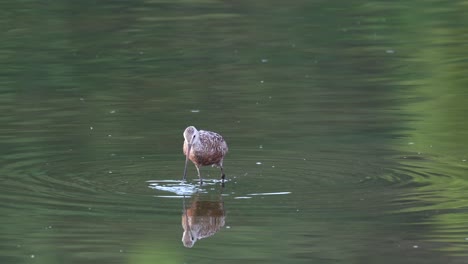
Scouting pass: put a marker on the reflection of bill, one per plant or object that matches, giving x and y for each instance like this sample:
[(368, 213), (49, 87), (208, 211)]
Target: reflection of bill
[(201, 219)]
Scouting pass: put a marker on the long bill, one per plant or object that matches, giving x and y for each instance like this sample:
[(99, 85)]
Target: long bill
[(186, 159)]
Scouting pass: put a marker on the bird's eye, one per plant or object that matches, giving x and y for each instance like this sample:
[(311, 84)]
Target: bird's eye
[(193, 136)]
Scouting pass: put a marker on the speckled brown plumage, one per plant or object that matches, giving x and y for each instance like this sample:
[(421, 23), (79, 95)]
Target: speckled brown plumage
[(206, 148)]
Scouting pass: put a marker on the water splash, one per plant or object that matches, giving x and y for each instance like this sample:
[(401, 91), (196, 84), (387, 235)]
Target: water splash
[(181, 188)]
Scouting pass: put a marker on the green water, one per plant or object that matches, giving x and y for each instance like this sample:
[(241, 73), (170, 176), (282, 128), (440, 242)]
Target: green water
[(345, 120)]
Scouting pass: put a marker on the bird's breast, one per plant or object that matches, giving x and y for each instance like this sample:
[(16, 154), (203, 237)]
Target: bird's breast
[(205, 157)]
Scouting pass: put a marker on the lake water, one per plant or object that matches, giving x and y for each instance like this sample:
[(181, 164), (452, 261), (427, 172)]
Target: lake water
[(345, 120)]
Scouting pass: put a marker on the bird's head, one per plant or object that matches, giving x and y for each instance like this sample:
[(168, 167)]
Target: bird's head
[(188, 239), (191, 135)]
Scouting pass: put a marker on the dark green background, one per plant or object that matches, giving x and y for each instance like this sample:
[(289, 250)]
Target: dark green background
[(357, 108)]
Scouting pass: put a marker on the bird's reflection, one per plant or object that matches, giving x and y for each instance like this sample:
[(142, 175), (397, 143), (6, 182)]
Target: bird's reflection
[(202, 218)]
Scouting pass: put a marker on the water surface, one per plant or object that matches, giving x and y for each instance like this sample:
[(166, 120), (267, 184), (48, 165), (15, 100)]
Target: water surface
[(345, 124)]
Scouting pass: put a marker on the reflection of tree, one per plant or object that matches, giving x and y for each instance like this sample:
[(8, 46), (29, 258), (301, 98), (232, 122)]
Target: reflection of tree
[(203, 218), (435, 79)]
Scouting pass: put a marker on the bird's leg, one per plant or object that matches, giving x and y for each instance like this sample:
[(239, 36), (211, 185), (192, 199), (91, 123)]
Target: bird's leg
[(222, 173), (222, 177), (199, 176)]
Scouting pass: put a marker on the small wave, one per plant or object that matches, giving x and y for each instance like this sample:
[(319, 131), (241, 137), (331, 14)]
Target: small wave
[(272, 193)]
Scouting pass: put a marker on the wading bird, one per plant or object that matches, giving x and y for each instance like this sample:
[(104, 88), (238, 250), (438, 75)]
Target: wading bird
[(204, 148)]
